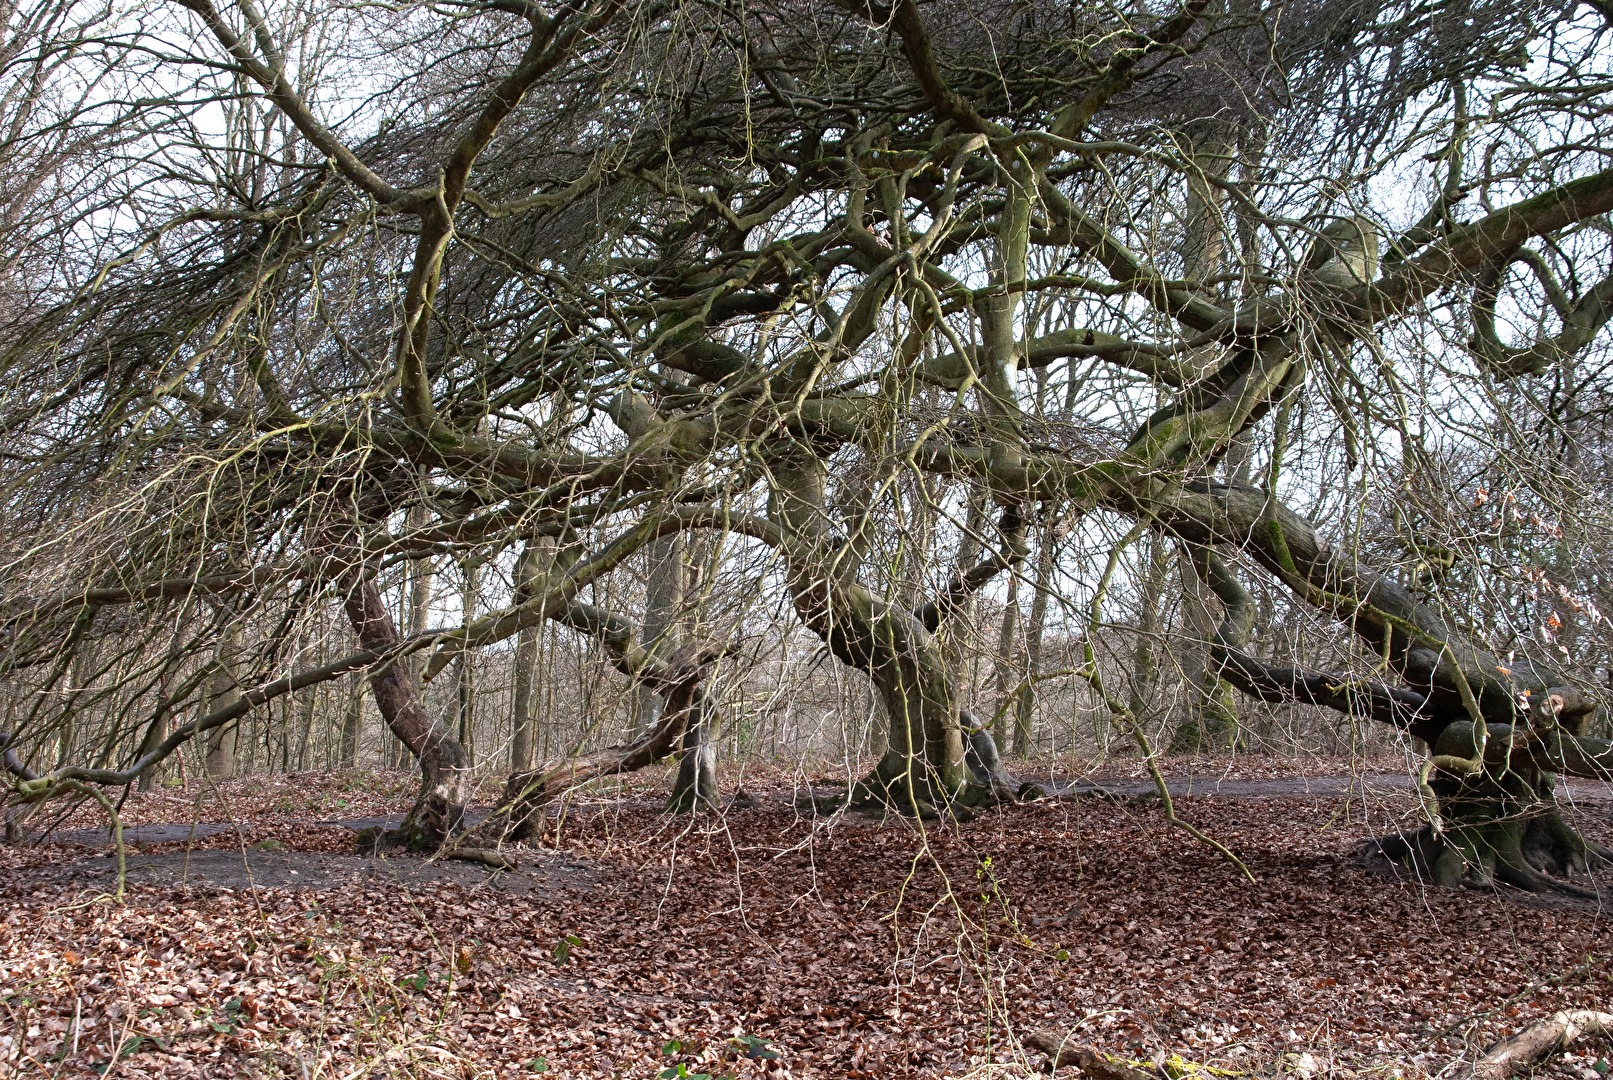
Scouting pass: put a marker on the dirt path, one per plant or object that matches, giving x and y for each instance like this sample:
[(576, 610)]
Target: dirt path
[(282, 869), (1375, 785)]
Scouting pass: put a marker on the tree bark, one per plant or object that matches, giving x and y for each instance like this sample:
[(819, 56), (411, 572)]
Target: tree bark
[(352, 734), (416, 616), (1211, 722), (695, 788), (1025, 701), (922, 767), (444, 766), (530, 567), (1494, 816), (223, 690), (465, 662), (666, 566)]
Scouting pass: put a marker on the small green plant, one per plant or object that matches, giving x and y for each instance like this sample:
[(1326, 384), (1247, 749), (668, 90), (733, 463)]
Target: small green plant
[(537, 1065), (757, 1049), (562, 949), (680, 1071)]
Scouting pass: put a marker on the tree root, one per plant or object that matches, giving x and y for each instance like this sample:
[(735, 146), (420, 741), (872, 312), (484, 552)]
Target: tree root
[(1537, 854), (1494, 828), (1540, 1041)]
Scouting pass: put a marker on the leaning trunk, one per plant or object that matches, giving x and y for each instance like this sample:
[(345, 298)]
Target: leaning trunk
[(445, 777), (1490, 781), (1501, 823), (922, 767)]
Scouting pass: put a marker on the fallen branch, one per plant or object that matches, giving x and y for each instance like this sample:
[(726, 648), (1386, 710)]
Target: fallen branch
[(1061, 1052), (1540, 1041), (493, 857)]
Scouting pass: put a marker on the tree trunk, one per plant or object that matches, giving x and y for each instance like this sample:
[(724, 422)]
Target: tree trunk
[(352, 735), (1211, 722), (223, 690), (666, 566), (922, 767), (1494, 815), (417, 618), (531, 569), (444, 766), (1144, 667), (465, 663), (1005, 658), (1025, 704), (695, 788)]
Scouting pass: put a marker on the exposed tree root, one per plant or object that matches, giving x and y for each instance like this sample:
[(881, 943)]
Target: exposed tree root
[(902, 786), (1506, 831), (695, 789), (990, 782), (437, 813), (1540, 1041)]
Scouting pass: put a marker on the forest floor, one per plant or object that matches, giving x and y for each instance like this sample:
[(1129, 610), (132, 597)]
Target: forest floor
[(768, 940)]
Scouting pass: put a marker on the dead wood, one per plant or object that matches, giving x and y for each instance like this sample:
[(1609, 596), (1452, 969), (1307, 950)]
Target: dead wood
[(1061, 1052), (493, 857), (1541, 1041)]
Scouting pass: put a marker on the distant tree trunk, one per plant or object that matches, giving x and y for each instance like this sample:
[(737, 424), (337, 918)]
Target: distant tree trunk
[(1005, 659), (69, 723), (530, 565), (444, 766), (308, 705), (465, 663), (223, 690), (956, 632), (1144, 668), (1212, 719), (352, 735), (153, 736), (421, 579), (666, 563), (1024, 707)]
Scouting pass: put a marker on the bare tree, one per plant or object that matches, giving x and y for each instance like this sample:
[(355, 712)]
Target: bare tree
[(588, 279)]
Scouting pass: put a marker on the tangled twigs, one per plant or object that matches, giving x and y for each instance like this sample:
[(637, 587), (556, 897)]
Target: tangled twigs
[(1540, 1041)]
